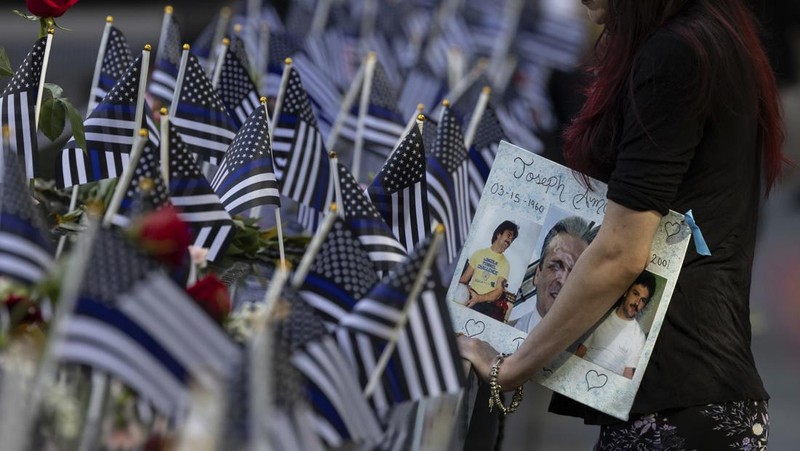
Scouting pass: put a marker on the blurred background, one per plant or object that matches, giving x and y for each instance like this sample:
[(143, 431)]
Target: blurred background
[(775, 302)]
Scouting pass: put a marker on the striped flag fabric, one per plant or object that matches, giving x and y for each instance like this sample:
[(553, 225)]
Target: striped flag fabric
[(448, 182), (115, 61), (236, 88), (18, 108), (377, 238), (301, 161), (281, 46), (246, 178), (488, 135), (322, 92), (110, 130), (425, 362), (133, 322), (340, 274), (146, 191), (168, 59), (341, 413), (200, 115), (26, 251), (383, 124), (400, 192), (197, 203)]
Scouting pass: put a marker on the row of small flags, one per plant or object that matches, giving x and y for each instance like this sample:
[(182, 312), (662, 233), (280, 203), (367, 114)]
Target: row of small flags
[(355, 301)]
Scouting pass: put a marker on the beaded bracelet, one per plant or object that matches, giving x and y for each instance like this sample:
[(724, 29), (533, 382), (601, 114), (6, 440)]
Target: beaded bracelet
[(494, 390)]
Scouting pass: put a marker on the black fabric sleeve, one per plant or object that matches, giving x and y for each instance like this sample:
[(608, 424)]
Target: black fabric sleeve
[(661, 126)]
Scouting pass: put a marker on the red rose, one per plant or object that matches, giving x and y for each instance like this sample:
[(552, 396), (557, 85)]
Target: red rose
[(212, 295), (49, 8), (22, 310), (165, 236)]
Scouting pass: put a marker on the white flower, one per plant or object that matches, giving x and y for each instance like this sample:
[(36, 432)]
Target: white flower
[(758, 429)]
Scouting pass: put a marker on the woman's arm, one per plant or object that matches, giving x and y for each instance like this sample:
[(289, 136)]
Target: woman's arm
[(605, 269)]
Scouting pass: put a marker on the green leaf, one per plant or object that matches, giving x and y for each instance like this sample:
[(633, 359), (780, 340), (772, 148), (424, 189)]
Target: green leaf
[(30, 17), (5, 64), (52, 90), (76, 121), (51, 118)]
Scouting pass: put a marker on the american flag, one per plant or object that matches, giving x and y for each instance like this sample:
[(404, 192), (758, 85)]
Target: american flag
[(425, 361), (400, 191), (168, 59), (197, 203), (383, 124), (200, 116), (26, 251), (488, 135), (246, 178), (448, 182), (236, 88), (377, 238), (116, 59), (301, 161), (132, 321), (18, 105), (109, 129), (146, 191), (341, 412), (340, 274)]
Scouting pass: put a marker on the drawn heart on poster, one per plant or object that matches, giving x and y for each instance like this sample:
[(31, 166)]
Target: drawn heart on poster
[(595, 380), (518, 341), (672, 228), (474, 328)]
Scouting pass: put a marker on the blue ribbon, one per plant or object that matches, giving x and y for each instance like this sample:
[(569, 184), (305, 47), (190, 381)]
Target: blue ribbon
[(699, 242)]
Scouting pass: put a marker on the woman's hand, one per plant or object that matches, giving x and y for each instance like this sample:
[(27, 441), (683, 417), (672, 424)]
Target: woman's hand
[(480, 353)]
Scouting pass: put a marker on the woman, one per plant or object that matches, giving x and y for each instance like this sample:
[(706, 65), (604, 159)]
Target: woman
[(682, 113)]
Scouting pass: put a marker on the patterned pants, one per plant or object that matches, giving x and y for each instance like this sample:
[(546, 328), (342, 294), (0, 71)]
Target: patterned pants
[(740, 425)]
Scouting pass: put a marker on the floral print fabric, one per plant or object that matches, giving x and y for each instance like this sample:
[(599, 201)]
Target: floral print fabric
[(739, 425)]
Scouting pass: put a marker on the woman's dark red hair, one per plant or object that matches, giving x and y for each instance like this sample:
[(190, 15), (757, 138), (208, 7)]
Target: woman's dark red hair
[(590, 139)]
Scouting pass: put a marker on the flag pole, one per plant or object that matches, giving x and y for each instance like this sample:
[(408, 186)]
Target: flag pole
[(347, 103), (511, 13), (42, 75), (320, 19), (337, 186), (140, 100), (125, 178), (287, 67), (98, 65), (223, 49), (255, 212), (276, 285), (416, 290), (471, 77), (314, 247), (138, 142), (162, 38), (164, 145), (363, 106), (262, 57), (219, 32), (176, 95), (67, 297), (477, 114)]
